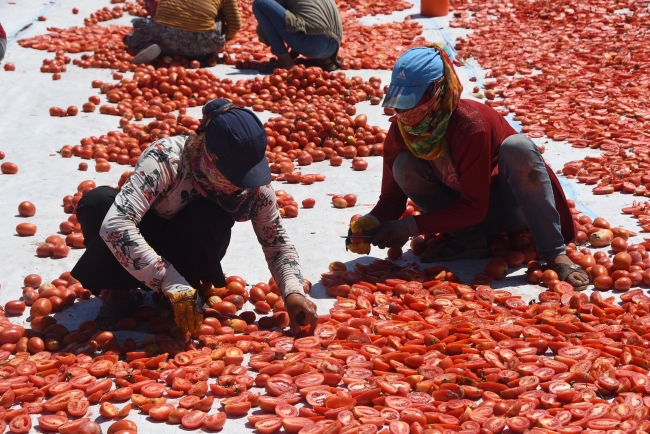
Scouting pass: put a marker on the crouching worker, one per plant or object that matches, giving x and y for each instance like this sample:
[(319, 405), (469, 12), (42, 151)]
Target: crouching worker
[(468, 171), (195, 29), (309, 27), (169, 226)]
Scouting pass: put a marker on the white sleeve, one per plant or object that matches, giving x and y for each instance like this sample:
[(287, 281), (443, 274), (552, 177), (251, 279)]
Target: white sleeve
[(153, 174), (280, 253)]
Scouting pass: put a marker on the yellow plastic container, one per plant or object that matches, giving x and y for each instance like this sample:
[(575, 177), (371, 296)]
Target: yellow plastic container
[(434, 8)]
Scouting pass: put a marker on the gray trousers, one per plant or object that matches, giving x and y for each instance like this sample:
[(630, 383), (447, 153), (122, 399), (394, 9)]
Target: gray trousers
[(3, 47), (520, 197)]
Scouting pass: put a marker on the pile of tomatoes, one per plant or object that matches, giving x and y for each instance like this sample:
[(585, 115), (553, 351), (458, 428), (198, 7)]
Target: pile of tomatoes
[(369, 47), (387, 41), (315, 125), (363, 8), (104, 41), (403, 350), (590, 91), (640, 210), (155, 92), (625, 266), (624, 171)]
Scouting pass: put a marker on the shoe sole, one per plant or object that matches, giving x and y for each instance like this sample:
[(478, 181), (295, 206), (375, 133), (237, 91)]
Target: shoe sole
[(147, 55)]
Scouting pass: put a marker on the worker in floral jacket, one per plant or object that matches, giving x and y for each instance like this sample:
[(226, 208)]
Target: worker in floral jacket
[(169, 226), (466, 168)]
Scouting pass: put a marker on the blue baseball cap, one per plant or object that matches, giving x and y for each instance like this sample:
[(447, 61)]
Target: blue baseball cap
[(237, 137), (412, 74)]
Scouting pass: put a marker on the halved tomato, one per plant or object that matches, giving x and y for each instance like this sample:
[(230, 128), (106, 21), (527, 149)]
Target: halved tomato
[(238, 409), (20, 424), (78, 407), (194, 419), (153, 390), (160, 411), (268, 426), (51, 422), (215, 422), (398, 427), (188, 401), (307, 380), (73, 426), (277, 386), (293, 425), (107, 410), (286, 410)]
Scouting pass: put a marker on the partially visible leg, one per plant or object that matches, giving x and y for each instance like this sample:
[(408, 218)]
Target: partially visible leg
[(195, 242), (417, 179), (192, 45), (312, 46), (3, 47), (142, 35), (522, 167), (270, 16), (98, 268)]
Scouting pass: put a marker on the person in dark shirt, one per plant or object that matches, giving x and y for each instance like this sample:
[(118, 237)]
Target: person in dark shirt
[(311, 28), (3, 42), (468, 171)]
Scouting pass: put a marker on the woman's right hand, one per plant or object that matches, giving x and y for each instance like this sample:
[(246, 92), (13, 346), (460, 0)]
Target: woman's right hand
[(302, 311)]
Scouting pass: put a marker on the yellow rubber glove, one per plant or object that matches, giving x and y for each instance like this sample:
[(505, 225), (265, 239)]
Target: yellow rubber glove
[(363, 226), (187, 307)]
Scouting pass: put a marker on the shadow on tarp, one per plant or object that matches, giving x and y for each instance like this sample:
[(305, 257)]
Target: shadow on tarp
[(80, 311), (246, 72), (465, 269), (87, 310)]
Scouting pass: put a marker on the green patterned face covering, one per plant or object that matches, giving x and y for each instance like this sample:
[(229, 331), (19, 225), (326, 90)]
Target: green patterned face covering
[(423, 128)]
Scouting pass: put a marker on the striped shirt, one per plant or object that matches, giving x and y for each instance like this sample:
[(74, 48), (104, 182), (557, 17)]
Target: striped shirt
[(199, 15)]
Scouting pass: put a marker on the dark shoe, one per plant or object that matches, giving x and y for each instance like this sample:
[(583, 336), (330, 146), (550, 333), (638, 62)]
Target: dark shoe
[(147, 55), (268, 67), (456, 248), (329, 67), (109, 315)]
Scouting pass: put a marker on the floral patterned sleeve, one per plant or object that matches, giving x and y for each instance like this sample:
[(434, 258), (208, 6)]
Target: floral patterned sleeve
[(154, 175), (280, 253)]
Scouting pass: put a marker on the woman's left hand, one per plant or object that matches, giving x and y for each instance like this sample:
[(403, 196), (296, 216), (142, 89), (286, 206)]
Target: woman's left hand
[(395, 233), (298, 306)]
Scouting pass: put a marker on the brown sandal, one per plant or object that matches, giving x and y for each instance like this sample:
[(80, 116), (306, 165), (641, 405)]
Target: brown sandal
[(565, 270)]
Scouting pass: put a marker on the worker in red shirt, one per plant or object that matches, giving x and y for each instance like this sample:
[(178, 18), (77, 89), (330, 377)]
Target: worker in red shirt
[(468, 171), (3, 42)]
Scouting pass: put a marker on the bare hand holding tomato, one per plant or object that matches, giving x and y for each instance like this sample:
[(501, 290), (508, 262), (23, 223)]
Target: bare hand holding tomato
[(301, 311), (395, 233), (186, 305)]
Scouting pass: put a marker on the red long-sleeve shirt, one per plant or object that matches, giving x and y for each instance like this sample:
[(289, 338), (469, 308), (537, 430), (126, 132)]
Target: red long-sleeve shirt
[(474, 135), (3, 35)]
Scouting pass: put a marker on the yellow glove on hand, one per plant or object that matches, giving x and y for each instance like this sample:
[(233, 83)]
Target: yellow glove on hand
[(359, 227), (187, 307)]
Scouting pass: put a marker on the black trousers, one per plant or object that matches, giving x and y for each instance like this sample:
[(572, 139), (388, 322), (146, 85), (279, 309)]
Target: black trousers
[(194, 242)]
